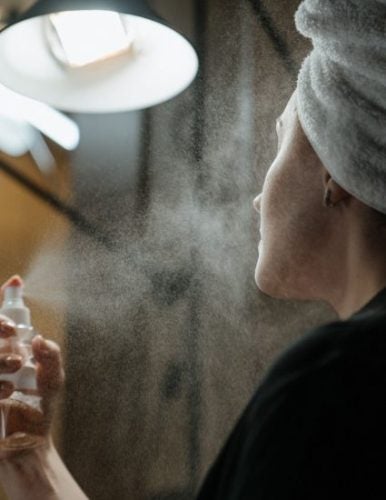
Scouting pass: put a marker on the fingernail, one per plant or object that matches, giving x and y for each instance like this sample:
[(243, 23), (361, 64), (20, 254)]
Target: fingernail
[(12, 360), (7, 321), (43, 345), (7, 327)]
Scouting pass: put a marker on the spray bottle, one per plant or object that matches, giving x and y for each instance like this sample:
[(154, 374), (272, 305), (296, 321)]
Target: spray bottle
[(24, 380)]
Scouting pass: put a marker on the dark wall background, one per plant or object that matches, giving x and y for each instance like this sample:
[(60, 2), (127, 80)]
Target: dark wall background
[(167, 335)]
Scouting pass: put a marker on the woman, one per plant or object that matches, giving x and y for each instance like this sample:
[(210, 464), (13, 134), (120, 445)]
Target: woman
[(315, 429), (316, 426)]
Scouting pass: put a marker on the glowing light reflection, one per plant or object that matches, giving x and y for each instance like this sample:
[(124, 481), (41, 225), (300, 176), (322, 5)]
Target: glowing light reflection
[(87, 37), (20, 116)]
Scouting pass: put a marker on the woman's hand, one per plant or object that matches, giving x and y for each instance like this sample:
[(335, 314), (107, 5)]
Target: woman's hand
[(31, 473), (17, 417)]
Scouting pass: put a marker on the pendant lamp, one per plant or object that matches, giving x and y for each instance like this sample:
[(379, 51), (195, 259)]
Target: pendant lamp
[(95, 56)]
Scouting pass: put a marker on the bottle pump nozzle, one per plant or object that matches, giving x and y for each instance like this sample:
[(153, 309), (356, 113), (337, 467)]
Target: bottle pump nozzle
[(13, 303)]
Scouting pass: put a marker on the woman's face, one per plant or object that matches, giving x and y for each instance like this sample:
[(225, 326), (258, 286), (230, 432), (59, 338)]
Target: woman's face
[(293, 219)]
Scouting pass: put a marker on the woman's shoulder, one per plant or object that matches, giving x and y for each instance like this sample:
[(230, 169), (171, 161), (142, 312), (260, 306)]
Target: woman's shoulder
[(337, 368), (357, 341), (320, 409)]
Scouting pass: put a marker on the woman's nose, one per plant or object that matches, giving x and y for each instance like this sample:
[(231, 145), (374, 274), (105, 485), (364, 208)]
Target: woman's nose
[(256, 203)]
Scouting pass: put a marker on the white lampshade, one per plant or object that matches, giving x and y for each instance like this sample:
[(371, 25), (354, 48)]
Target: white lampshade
[(159, 65)]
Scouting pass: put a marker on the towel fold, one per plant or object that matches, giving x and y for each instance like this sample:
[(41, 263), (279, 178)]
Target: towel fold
[(341, 92)]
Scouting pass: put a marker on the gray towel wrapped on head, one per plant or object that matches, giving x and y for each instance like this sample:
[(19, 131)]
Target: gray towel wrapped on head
[(341, 92)]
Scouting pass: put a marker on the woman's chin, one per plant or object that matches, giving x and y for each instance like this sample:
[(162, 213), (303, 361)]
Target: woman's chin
[(278, 285), (261, 279), (265, 282), (268, 288)]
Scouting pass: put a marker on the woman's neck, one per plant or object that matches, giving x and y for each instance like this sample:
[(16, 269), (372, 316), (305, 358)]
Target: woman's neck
[(365, 272)]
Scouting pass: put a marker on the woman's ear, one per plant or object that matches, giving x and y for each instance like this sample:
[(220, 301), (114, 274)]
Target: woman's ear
[(333, 192)]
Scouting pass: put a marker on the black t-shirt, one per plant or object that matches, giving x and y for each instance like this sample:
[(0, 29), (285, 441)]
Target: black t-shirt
[(316, 427)]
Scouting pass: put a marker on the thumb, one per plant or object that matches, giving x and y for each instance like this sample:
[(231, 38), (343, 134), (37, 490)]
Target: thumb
[(50, 374)]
